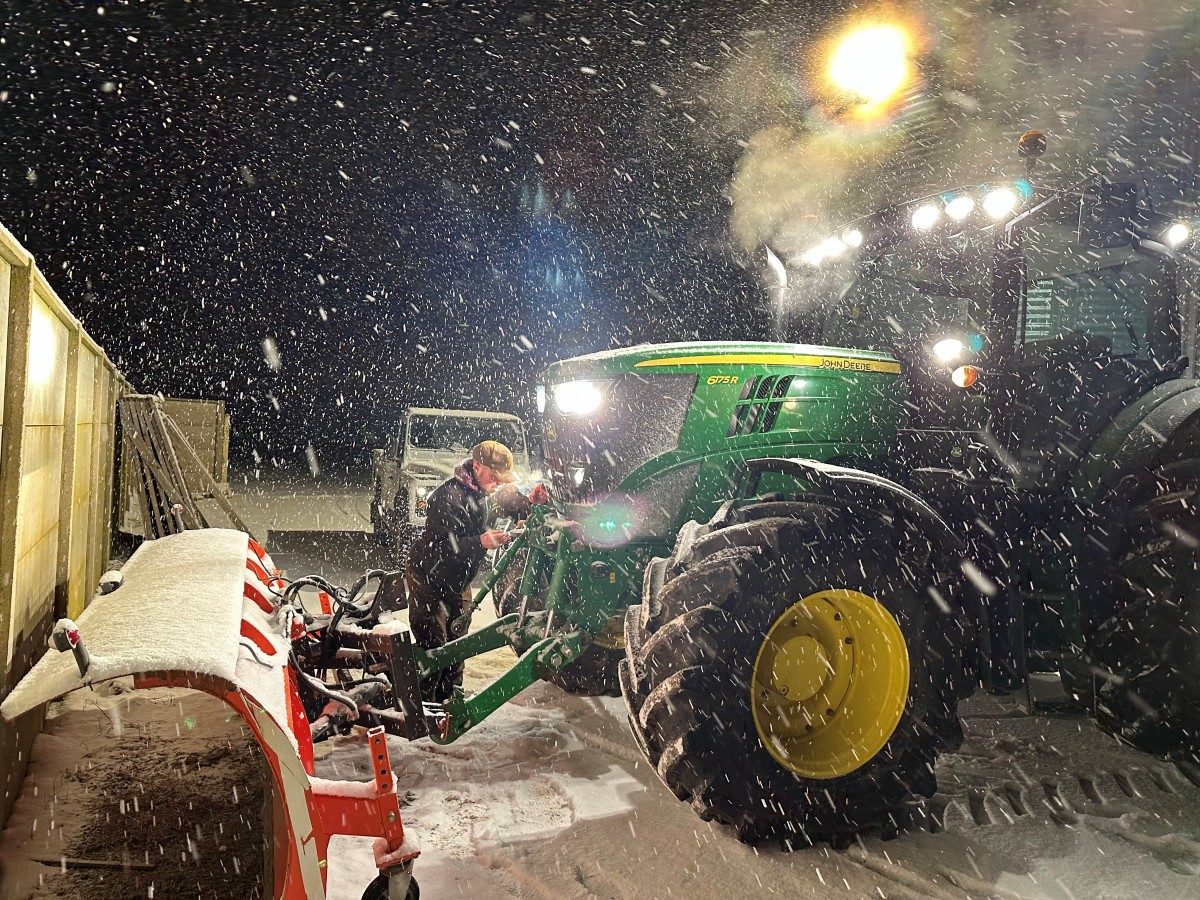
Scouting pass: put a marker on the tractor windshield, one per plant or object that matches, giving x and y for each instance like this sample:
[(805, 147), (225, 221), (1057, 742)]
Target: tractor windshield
[(1113, 299), (598, 431), (913, 293)]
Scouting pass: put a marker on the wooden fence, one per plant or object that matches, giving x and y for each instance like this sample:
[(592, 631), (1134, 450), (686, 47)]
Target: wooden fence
[(57, 419)]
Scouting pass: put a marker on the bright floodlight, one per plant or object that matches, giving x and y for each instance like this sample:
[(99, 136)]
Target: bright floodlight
[(813, 256), (948, 350), (925, 216), (852, 237), (577, 398), (871, 62), (960, 207), (832, 247), (1177, 234), (999, 203)]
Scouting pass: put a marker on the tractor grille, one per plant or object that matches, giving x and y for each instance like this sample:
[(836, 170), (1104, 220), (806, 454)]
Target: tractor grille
[(758, 408)]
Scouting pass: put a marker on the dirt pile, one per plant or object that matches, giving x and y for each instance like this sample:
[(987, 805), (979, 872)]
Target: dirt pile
[(166, 797)]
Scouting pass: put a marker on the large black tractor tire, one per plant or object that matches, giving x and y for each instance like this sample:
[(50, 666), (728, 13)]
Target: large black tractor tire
[(595, 672), (693, 669), (1144, 650)]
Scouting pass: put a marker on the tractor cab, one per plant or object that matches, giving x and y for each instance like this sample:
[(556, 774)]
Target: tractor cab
[(1025, 319)]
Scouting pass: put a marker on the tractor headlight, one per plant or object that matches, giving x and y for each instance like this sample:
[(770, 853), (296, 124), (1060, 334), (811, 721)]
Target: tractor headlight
[(948, 350), (577, 398), (1177, 234), (422, 492)]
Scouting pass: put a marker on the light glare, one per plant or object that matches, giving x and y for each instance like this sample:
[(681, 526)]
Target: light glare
[(960, 207), (1177, 234), (577, 398), (999, 203), (925, 216), (852, 237), (871, 63), (948, 350)]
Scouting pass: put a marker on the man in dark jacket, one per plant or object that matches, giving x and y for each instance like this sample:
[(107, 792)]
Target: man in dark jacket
[(448, 554)]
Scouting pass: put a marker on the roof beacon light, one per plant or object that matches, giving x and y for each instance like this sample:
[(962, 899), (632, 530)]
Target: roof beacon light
[(964, 376), (925, 216), (960, 207), (1177, 234), (852, 237), (577, 398), (948, 350), (999, 203)]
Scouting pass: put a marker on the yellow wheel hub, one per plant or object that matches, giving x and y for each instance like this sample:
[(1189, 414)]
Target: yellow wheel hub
[(829, 683)]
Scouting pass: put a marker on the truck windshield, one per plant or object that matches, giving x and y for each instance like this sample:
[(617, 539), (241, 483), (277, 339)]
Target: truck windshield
[(462, 433)]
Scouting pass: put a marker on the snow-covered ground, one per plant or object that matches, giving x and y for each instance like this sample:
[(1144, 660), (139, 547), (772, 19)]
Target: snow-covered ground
[(549, 798)]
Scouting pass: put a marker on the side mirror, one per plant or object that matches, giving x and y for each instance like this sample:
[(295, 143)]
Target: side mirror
[(1107, 213)]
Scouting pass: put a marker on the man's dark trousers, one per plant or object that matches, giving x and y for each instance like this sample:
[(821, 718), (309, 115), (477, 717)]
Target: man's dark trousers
[(431, 614)]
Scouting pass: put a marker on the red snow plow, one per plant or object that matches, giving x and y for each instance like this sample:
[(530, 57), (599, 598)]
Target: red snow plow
[(203, 610)]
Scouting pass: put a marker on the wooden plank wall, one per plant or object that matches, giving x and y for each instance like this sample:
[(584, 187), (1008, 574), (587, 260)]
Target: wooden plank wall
[(57, 414)]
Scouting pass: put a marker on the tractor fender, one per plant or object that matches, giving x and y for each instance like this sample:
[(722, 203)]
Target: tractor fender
[(859, 487), (1131, 443), (981, 606)]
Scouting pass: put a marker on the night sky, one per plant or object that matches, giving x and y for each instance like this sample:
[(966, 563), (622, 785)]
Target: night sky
[(414, 203)]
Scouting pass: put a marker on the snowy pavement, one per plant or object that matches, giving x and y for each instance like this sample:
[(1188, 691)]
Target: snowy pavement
[(549, 798)]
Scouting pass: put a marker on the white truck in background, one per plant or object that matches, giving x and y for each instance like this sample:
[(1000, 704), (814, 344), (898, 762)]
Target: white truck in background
[(422, 453)]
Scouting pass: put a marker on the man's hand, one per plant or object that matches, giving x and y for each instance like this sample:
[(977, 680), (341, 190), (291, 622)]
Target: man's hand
[(539, 496), (495, 539)]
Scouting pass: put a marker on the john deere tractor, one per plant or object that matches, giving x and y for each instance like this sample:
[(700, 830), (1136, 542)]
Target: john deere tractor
[(796, 559)]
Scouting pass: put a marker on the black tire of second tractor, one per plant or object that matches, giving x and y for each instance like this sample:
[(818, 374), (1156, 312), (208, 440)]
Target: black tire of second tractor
[(1143, 652), (594, 673), (692, 643), (378, 889)]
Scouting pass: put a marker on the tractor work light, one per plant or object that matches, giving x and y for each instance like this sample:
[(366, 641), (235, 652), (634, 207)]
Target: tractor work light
[(948, 350), (999, 202), (577, 398), (1177, 234), (539, 395), (852, 237), (964, 376), (925, 216), (960, 207), (832, 248)]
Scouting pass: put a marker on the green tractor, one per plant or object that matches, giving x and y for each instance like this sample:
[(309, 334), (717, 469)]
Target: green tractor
[(795, 560)]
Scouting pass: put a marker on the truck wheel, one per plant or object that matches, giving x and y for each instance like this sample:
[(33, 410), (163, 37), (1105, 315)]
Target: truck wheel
[(786, 677), (381, 519), (594, 673), (1143, 655)]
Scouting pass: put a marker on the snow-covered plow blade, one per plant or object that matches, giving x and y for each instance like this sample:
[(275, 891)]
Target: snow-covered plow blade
[(199, 610)]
